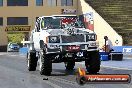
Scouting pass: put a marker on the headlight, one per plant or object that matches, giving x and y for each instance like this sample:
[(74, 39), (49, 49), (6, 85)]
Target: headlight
[(54, 39), (91, 37), (11, 47)]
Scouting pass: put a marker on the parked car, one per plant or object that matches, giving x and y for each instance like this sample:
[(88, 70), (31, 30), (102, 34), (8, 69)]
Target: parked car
[(13, 47)]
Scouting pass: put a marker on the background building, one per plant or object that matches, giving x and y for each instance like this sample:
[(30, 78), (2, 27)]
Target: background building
[(19, 16)]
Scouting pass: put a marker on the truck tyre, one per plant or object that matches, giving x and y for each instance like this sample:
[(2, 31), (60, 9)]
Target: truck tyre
[(46, 65), (93, 63), (32, 60), (70, 65)]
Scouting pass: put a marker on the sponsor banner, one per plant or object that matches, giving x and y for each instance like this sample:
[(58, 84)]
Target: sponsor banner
[(68, 11), (83, 78), (123, 49), (88, 19), (17, 28)]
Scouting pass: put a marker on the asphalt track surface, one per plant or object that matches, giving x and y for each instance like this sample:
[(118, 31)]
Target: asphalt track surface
[(14, 74)]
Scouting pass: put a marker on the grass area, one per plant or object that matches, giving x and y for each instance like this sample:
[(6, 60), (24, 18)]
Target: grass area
[(15, 37)]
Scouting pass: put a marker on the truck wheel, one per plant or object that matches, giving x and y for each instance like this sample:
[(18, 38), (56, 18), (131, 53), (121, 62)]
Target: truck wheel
[(93, 64), (70, 65), (32, 60), (45, 65)]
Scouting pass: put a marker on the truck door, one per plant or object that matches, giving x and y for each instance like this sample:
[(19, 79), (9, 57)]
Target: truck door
[(36, 35)]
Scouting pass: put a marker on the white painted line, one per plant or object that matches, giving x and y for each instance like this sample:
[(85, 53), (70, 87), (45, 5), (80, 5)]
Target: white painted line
[(22, 56), (2, 53), (18, 56), (52, 84), (120, 68), (13, 55)]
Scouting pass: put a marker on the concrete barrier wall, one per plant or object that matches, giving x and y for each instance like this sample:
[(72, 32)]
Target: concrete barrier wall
[(101, 27)]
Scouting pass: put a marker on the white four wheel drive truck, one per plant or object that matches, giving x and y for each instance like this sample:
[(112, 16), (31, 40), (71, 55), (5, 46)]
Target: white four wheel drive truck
[(62, 38)]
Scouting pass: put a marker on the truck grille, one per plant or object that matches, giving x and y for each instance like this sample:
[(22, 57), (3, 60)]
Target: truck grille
[(72, 38)]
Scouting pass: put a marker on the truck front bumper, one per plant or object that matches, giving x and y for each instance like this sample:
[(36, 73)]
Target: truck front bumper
[(71, 47)]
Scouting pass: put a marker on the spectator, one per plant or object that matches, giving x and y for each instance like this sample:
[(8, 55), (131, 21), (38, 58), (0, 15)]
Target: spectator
[(108, 45)]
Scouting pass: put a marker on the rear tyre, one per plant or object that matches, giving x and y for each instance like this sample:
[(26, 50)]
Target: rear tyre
[(46, 65), (93, 63), (70, 65), (32, 60)]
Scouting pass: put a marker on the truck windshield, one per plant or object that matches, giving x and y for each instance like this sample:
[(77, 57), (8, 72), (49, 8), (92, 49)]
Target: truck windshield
[(60, 22), (49, 22)]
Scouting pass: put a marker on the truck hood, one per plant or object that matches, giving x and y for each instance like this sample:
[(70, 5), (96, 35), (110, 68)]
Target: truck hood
[(65, 31)]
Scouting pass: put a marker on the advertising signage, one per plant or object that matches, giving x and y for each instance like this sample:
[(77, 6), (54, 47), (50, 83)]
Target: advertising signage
[(68, 11), (17, 28), (88, 19)]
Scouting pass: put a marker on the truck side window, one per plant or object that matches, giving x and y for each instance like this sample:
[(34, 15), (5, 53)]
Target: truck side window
[(42, 24), (37, 26)]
